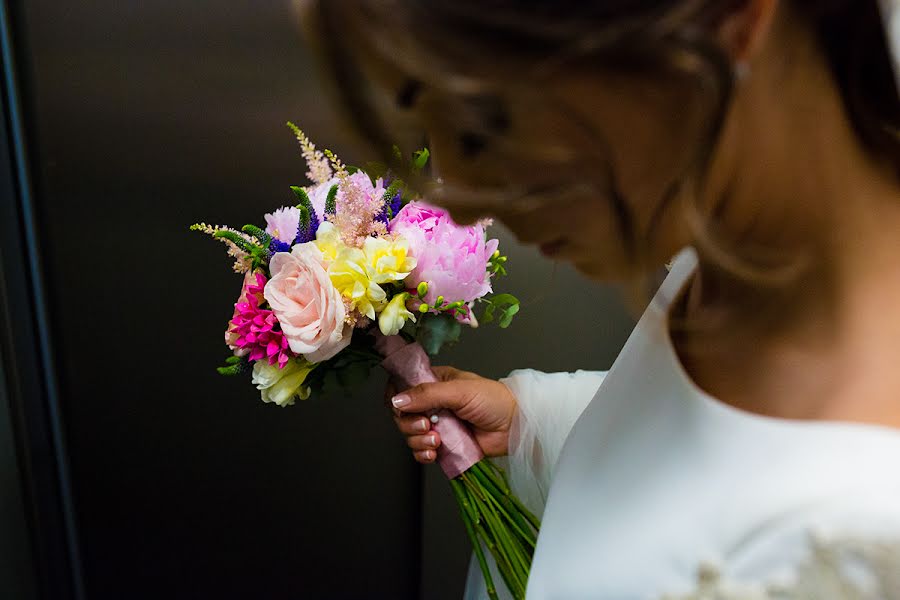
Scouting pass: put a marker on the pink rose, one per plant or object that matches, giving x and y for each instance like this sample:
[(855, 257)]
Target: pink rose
[(309, 308)]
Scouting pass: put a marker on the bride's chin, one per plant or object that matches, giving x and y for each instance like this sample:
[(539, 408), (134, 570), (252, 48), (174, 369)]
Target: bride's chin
[(597, 270)]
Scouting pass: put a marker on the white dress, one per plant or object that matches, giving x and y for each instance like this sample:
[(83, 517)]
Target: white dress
[(660, 491)]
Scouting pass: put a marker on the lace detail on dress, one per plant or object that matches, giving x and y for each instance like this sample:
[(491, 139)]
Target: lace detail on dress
[(842, 568)]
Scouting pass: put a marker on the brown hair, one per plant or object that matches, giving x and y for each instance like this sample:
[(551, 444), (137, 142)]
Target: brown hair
[(434, 42)]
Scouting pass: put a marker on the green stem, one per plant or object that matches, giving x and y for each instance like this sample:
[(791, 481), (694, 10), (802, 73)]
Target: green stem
[(459, 489), (510, 515), (502, 565), (521, 508), (505, 503), (466, 513), (500, 533)]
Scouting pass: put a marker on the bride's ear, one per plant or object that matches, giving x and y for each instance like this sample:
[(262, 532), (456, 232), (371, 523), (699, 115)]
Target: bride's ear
[(742, 32)]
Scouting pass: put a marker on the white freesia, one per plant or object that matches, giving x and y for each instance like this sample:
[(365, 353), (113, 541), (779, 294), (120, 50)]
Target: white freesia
[(394, 315), (282, 386)]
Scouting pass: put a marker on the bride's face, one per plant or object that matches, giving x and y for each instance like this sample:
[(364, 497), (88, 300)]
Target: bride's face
[(584, 166)]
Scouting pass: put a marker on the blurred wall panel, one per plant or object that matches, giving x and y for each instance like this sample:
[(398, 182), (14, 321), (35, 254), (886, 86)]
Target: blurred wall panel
[(153, 115)]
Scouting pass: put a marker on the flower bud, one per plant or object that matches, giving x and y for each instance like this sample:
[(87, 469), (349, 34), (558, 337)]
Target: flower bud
[(422, 289)]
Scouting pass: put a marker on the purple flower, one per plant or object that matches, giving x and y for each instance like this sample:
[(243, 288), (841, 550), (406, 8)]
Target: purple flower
[(389, 210), (283, 224)]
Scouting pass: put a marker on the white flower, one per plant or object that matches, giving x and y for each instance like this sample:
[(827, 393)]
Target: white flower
[(282, 386), (394, 315)]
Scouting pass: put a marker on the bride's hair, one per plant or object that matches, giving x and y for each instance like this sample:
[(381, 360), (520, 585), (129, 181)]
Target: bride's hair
[(435, 44)]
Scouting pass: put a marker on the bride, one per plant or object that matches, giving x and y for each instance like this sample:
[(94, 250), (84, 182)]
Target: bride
[(746, 442)]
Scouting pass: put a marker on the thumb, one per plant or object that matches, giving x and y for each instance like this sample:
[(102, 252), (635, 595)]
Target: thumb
[(431, 396)]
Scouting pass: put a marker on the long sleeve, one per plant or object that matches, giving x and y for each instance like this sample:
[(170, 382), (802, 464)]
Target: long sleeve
[(548, 406)]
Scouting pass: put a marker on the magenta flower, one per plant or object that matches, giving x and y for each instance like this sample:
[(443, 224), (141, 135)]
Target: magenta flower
[(452, 259), (253, 331)]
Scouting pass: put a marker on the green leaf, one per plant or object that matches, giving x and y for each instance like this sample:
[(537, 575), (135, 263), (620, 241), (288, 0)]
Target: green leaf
[(508, 315), (504, 299), (230, 370), (233, 360), (488, 315), (436, 330), (420, 158), (502, 307)]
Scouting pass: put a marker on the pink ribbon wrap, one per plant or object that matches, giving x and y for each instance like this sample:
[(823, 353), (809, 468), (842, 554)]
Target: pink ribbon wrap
[(409, 365)]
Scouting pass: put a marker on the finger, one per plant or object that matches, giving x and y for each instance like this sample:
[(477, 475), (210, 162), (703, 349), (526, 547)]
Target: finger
[(412, 425), (425, 456), (450, 373), (430, 396), (429, 441)]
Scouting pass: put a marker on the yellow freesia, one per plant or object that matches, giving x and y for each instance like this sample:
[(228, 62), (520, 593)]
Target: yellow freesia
[(388, 260), (354, 279), (282, 385), (394, 315), (328, 241)]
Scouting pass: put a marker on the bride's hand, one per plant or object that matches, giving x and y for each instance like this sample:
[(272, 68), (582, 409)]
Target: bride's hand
[(487, 405)]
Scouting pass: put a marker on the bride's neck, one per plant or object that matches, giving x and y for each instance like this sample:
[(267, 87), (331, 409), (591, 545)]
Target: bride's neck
[(827, 346)]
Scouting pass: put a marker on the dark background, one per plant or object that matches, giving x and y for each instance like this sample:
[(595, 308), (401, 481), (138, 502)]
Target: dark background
[(145, 117)]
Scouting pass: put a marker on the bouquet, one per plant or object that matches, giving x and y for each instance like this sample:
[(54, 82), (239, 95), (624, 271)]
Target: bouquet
[(358, 272)]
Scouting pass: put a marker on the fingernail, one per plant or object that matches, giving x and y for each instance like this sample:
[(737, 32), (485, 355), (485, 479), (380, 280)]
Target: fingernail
[(422, 426), (400, 400), (432, 440), (429, 454)]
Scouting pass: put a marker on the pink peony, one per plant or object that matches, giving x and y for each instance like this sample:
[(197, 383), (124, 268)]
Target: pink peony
[(309, 308), (452, 259), (255, 331), (420, 216)]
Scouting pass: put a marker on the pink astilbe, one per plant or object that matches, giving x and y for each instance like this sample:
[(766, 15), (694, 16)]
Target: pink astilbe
[(319, 167), (254, 330), (356, 204)]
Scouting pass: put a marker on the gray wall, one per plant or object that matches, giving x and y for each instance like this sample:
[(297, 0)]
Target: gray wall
[(153, 115)]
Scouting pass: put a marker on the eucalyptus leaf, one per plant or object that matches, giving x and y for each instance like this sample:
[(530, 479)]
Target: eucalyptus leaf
[(436, 330), (508, 314)]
